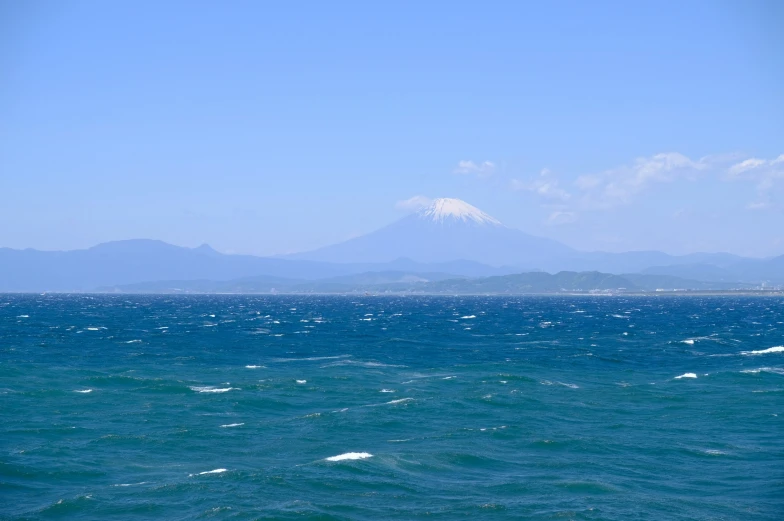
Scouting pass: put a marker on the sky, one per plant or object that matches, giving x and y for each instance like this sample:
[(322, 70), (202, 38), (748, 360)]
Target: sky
[(276, 127)]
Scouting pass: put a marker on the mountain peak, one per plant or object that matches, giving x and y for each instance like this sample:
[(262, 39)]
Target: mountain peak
[(446, 209)]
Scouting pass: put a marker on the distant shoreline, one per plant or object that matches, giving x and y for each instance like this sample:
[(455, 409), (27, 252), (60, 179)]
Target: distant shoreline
[(667, 293)]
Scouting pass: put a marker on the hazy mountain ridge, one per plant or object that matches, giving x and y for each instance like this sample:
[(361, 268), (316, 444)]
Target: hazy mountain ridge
[(449, 237), (142, 260)]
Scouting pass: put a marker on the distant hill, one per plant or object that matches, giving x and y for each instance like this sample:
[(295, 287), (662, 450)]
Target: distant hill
[(636, 261), (437, 283), (126, 262), (265, 284), (135, 261), (770, 271), (570, 281)]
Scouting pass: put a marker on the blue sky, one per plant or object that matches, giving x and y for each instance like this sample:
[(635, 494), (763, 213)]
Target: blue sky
[(265, 128)]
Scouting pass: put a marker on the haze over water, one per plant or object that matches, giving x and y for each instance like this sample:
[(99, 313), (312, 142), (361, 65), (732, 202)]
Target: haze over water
[(246, 407)]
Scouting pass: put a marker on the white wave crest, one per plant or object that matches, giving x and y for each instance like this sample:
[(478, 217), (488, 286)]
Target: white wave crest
[(311, 358), (401, 400), (84, 391), (777, 349), (360, 364), (774, 370), (302, 381), (216, 471), (468, 317), (210, 389), (686, 375), (350, 456), (228, 425)]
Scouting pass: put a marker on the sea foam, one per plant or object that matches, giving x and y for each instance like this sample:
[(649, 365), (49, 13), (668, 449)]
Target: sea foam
[(216, 471), (777, 349), (350, 456), (686, 375), (209, 389)]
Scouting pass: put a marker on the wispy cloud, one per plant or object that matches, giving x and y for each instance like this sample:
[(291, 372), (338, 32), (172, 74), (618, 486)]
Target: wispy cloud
[(744, 166), (545, 186), (622, 184), (765, 173), (483, 169), (413, 203)]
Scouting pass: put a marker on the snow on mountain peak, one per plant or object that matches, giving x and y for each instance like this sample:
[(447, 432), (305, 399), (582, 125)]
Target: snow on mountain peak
[(446, 209)]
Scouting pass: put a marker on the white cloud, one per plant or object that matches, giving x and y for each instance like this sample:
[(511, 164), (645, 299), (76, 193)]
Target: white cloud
[(743, 166), (413, 203), (483, 169), (623, 184), (545, 186), (766, 173), (620, 185)]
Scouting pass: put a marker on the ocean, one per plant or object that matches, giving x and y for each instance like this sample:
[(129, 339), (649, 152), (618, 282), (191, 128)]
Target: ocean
[(387, 408)]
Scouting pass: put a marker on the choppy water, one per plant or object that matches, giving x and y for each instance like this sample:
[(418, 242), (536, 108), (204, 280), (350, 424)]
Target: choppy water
[(234, 407)]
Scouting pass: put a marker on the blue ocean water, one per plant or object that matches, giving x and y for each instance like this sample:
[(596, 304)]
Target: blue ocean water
[(245, 407)]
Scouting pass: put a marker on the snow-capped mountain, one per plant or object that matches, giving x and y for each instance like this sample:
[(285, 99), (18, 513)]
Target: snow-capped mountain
[(446, 210), (446, 230)]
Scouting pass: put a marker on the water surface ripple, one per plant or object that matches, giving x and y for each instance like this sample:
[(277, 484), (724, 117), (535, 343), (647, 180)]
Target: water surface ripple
[(376, 408)]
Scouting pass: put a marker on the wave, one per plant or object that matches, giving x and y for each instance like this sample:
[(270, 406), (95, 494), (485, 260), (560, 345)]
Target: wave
[(570, 386), (302, 381), (387, 390), (254, 367), (216, 471), (133, 342), (210, 389), (228, 425), (776, 349), (361, 364), (350, 456), (84, 391), (401, 400), (774, 370), (468, 316), (391, 402), (310, 358), (686, 375)]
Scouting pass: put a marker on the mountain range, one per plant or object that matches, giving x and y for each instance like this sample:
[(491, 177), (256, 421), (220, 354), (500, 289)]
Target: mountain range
[(447, 240)]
